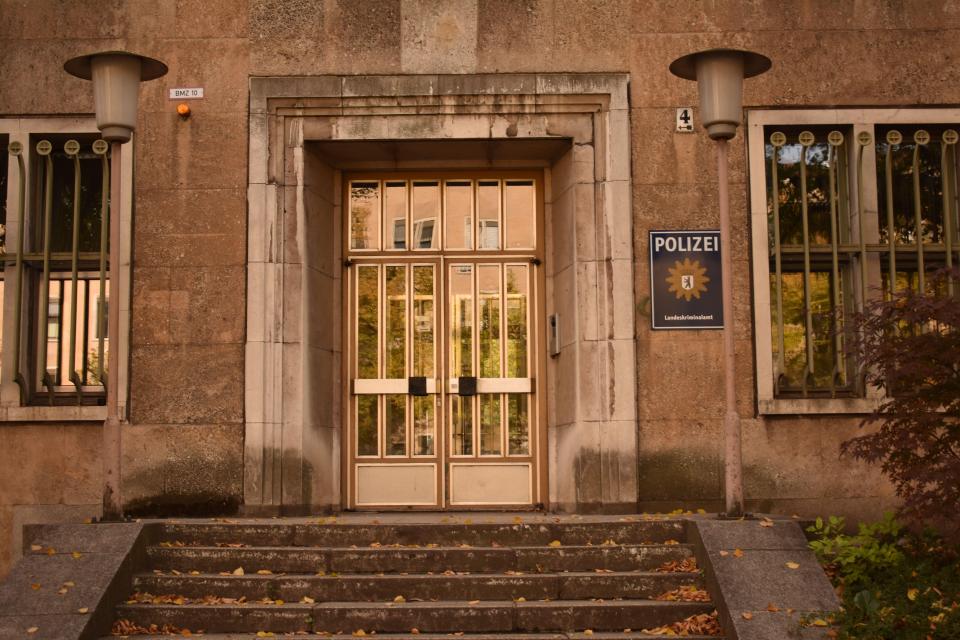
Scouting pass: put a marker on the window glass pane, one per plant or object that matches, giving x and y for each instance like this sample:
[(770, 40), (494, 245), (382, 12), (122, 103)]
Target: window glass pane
[(489, 327), (902, 188), (490, 433), (518, 421), (458, 214), (816, 158), (367, 425), (520, 214), (91, 190), (488, 214), (461, 421), (426, 215), (826, 362), (395, 353), (424, 421), (461, 320), (367, 321), (423, 321), (395, 215), (4, 163), (396, 425), (364, 215), (517, 285)]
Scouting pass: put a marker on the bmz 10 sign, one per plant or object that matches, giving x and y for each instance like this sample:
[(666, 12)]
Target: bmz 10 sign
[(685, 285), (186, 93)]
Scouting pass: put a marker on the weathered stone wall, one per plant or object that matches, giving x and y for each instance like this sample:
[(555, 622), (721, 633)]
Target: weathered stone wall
[(187, 366)]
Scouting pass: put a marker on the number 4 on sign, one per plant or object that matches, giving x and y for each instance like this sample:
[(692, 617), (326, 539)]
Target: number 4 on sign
[(685, 119)]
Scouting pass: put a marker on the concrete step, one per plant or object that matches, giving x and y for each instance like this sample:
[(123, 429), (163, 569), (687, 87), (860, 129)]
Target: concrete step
[(478, 534), (429, 617), (620, 557), (433, 586)]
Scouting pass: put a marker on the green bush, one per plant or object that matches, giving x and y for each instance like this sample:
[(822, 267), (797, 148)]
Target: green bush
[(893, 584)]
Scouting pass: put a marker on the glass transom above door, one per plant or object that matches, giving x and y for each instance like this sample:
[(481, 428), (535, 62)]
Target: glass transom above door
[(443, 284), (487, 215)]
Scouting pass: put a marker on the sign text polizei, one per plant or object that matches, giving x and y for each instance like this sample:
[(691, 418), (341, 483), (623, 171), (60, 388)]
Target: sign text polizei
[(685, 285)]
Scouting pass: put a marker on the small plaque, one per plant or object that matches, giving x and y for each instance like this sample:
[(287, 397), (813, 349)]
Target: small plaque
[(806, 138), (685, 119), (864, 138), (186, 93), (15, 148), (835, 138), (922, 136), (894, 137), (100, 147), (44, 147), (778, 138), (71, 147), (950, 136)]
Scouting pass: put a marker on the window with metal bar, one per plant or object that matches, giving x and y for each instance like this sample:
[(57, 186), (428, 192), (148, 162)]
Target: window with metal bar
[(851, 210), (59, 268)]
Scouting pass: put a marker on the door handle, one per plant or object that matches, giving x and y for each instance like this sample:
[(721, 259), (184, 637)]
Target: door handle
[(467, 386), (417, 385)]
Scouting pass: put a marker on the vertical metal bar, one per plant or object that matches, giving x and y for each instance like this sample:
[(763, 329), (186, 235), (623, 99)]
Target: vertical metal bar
[(807, 308), (947, 184), (45, 150), (74, 271), (861, 221), (105, 206), (84, 364), (891, 231), (918, 218), (781, 367), (837, 345), (18, 304)]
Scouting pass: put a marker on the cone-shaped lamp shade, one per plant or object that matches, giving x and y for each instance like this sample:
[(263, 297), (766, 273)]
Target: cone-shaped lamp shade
[(719, 74), (116, 79)]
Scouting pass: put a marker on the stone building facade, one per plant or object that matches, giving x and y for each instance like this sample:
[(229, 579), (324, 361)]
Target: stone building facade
[(242, 296)]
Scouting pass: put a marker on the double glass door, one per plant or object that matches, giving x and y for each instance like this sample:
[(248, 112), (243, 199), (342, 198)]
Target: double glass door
[(443, 338)]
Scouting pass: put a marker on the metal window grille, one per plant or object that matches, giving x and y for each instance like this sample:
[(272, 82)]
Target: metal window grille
[(829, 253), (60, 267)]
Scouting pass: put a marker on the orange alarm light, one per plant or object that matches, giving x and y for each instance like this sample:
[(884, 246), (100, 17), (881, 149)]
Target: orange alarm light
[(183, 110)]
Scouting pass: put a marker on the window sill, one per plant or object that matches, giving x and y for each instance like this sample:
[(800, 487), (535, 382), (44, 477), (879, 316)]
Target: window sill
[(83, 413), (817, 406)]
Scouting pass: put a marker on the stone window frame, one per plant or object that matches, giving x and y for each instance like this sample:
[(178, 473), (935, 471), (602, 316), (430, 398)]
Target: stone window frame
[(857, 119), (503, 107), (20, 129)]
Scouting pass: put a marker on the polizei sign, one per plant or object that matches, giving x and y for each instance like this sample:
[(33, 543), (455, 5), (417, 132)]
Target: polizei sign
[(685, 284)]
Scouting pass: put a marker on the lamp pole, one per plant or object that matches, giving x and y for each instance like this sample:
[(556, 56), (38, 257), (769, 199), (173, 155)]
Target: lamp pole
[(719, 74), (116, 77)]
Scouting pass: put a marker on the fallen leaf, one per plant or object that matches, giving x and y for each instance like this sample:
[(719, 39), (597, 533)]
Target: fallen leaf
[(474, 602), (33, 629), (61, 591), (69, 583), (278, 601), (912, 594), (35, 586), (36, 547), (76, 555), (238, 571), (83, 610), (746, 615), (264, 634), (792, 565), (820, 622), (738, 553), (724, 554), (263, 572), (51, 551), (766, 522), (520, 599), (555, 543), (399, 599), (415, 631), (588, 632), (307, 600), (772, 608), (359, 632)]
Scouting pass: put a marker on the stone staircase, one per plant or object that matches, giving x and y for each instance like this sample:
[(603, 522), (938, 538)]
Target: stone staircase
[(498, 576)]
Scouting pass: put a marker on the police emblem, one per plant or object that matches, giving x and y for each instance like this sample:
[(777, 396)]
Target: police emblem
[(687, 279)]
